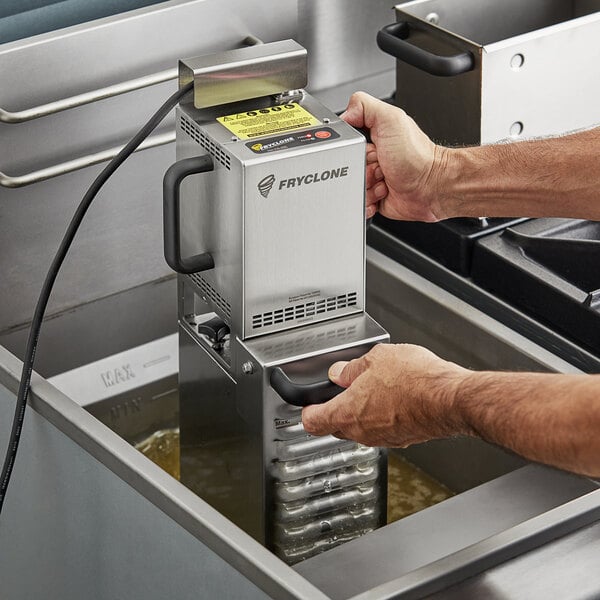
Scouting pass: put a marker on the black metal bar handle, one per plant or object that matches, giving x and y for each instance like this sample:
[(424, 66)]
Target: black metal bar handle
[(175, 174), (303, 394), (392, 40)]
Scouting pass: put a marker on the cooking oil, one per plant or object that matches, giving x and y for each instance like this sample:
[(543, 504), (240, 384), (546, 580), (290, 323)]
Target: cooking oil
[(409, 489), (162, 448)]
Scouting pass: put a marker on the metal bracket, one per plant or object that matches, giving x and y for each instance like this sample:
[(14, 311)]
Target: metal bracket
[(245, 73)]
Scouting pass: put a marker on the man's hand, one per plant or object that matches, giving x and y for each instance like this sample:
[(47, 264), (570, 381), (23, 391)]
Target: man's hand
[(396, 395), (412, 179), (399, 395), (403, 164)]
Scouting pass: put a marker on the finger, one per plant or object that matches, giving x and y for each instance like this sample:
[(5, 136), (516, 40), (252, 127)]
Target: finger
[(373, 174), (370, 211), (366, 109), (354, 113), (376, 194), (344, 373), (371, 153), (371, 200), (316, 419)]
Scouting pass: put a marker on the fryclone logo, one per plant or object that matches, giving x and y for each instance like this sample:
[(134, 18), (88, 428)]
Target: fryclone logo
[(265, 185)]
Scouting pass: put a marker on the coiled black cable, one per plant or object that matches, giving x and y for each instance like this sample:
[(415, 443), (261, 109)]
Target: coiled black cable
[(63, 249)]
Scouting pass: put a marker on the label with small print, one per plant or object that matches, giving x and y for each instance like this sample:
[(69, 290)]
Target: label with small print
[(267, 121)]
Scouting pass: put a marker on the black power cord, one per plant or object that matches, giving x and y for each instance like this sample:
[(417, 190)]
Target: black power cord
[(61, 253)]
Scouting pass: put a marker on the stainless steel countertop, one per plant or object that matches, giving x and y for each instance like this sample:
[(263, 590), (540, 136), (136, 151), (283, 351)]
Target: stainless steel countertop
[(566, 568)]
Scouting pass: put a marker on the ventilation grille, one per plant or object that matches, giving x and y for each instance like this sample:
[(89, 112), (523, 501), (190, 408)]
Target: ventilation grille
[(213, 149), (297, 312), (211, 294)]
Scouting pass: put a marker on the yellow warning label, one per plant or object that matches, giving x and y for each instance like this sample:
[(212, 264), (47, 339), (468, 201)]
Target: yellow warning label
[(266, 121)]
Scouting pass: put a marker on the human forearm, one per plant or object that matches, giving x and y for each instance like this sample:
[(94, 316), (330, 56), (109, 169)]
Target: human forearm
[(548, 418), (408, 177), (399, 394), (554, 177)]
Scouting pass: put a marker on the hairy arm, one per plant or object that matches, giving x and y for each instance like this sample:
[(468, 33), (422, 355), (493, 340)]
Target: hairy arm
[(399, 394), (552, 177), (549, 418), (411, 178)]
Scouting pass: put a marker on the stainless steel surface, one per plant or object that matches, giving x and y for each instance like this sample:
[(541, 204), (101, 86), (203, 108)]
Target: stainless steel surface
[(300, 511), (305, 468), (340, 38), (566, 568), (43, 110), (288, 492), (127, 486), (122, 373), (354, 518), (257, 277), (417, 311), (128, 212), (283, 291), (268, 483), (152, 527), (15, 181), (100, 328), (411, 557), (300, 447), (532, 69), (306, 342), (244, 73)]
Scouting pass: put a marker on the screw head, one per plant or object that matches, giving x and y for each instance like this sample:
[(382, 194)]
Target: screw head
[(248, 368)]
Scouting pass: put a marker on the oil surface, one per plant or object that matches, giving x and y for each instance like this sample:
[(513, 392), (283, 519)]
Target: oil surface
[(409, 489), (162, 448)]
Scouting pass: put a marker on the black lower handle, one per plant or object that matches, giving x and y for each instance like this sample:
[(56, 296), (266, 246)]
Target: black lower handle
[(305, 381), (303, 394), (392, 40), (175, 174)]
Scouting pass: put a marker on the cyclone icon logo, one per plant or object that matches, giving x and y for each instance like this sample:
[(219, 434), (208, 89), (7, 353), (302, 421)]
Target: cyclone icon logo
[(265, 185)]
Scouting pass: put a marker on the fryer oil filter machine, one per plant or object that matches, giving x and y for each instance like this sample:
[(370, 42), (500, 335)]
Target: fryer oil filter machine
[(264, 222)]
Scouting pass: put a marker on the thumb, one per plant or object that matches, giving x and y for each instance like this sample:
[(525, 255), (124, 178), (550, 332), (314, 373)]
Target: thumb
[(355, 114), (363, 110), (344, 373)]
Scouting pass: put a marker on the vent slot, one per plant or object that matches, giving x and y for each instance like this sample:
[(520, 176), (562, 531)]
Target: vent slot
[(211, 294), (207, 143), (297, 312)]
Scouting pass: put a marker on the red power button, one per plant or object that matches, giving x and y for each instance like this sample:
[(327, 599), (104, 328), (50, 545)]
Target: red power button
[(322, 134)]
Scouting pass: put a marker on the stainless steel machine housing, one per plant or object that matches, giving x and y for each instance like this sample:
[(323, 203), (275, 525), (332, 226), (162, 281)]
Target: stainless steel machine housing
[(282, 216), (293, 257)]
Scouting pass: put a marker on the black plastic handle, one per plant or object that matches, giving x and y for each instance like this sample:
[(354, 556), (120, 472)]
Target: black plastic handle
[(175, 174), (303, 394), (392, 40), (309, 383)]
